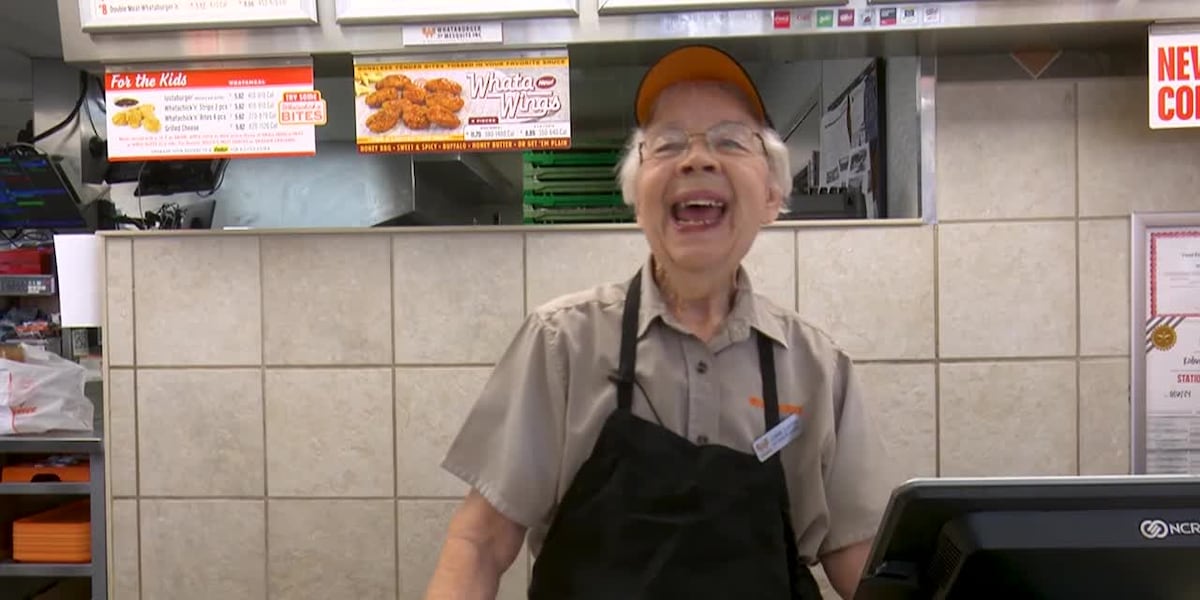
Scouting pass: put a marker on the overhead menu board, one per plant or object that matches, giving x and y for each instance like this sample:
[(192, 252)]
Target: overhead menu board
[(382, 11), (1166, 344), (116, 15), (212, 113), (504, 103)]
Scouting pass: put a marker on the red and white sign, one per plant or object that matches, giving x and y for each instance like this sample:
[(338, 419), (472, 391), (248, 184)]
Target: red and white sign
[(212, 113), (783, 19), (1174, 80)]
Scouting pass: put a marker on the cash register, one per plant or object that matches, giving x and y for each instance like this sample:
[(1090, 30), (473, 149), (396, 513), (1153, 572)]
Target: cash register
[(1048, 538)]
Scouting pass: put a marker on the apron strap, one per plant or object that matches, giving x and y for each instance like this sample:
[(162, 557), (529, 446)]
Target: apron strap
[(804, 584), (766, 365), (627, 371)]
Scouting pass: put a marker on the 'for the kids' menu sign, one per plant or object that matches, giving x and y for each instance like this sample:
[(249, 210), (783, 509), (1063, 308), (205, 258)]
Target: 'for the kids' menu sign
[(212, 113)]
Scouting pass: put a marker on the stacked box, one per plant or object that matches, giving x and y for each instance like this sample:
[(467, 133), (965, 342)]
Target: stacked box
[(59, 535), (573, 186)]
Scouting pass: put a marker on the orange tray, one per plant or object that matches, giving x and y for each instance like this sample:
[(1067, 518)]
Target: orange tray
[(59, 535), (64, 469)]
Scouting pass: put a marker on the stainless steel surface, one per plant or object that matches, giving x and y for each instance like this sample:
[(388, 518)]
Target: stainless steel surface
[(14, 569), (45, 489), (338, 187), (99, 525), (966, 26), (64, 443), (927, 98), (30, 28), (56, 87)]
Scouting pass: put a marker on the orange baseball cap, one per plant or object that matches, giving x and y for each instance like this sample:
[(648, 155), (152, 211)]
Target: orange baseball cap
[(695, 63)]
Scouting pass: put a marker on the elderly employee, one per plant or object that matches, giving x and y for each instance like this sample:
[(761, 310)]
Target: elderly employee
[(677, 435)]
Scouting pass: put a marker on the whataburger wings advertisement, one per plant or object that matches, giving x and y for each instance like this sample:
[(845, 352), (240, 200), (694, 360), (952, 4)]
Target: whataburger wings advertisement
[(475, 105)]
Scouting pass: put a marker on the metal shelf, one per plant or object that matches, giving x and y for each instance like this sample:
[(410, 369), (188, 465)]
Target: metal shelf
[(8, 568), (45, 489), (65, 442), (21, 494), (27, 285)]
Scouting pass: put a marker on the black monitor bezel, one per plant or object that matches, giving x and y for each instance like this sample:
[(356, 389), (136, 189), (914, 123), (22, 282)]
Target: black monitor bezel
[(918, 502)]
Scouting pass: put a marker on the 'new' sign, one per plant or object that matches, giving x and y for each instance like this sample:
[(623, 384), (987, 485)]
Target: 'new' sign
[(1174, 80)]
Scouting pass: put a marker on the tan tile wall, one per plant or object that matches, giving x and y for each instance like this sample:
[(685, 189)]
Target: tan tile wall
[(279, 403)]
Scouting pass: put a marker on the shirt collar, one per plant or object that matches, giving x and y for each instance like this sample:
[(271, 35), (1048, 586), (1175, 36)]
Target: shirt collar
[(747, 311)]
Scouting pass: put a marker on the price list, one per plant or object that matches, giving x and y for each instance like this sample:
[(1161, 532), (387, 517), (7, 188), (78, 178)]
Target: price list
[(169, 14), (212, 113), (255, 110)]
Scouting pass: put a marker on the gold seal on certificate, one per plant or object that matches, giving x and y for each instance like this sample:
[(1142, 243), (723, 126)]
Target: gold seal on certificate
[(1163, 337)]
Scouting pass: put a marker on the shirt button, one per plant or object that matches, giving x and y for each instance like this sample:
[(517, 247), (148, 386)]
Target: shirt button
[(702, 367), (702, 439)]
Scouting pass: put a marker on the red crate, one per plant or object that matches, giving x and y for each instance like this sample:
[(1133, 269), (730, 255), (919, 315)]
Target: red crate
[(27, 261)]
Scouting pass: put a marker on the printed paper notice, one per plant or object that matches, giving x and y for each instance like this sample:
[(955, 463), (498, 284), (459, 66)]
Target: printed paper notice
[(1173, 395), (479, 105), (1172, 350), (1175, 273), (201, 114)]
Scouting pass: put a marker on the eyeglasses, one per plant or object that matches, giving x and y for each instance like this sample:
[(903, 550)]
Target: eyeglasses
[(727, 139)]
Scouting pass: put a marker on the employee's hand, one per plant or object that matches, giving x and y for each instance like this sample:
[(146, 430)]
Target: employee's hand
[(480, 546)]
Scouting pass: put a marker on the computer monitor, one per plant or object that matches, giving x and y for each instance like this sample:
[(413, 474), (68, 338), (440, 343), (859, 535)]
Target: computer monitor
[(35, 193), (1043, 538)]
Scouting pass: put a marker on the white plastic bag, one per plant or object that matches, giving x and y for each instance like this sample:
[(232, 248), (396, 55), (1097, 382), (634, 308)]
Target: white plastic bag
[(43, 393)]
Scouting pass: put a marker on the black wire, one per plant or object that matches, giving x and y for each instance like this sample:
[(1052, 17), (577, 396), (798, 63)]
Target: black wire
[(87, 110), (221, 168), (70, 116), (651, 404), (615, 377)]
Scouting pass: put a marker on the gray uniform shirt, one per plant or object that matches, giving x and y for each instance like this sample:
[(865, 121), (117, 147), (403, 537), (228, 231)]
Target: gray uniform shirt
[(542, 409)]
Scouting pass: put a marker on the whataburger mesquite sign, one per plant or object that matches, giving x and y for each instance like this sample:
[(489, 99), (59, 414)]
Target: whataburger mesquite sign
[(1174, 78)]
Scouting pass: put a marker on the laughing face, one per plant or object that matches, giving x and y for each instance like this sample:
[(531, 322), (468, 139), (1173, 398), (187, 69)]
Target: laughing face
[(703, 190)]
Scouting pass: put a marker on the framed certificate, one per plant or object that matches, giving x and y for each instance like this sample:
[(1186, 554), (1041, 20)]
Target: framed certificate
[(1165, 343)]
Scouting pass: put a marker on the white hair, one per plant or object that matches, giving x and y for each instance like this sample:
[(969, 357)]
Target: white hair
[(778, 164)]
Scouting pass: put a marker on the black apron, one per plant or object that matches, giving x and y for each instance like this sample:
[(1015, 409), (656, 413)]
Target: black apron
[(652, 516)]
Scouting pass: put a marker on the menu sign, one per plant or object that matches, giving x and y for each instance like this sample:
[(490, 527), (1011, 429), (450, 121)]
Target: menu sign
[(212, 113), (383, 11), (451, 106), (99, 15)]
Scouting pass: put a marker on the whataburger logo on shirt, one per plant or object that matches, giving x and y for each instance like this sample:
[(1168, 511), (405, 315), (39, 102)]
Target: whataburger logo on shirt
[(784, 409)]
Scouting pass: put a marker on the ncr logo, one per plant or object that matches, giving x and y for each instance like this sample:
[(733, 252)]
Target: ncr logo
[(1158, 529)]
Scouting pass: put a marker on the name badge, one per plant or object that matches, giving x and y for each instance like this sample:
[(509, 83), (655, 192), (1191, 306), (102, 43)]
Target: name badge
[(777, 438)]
